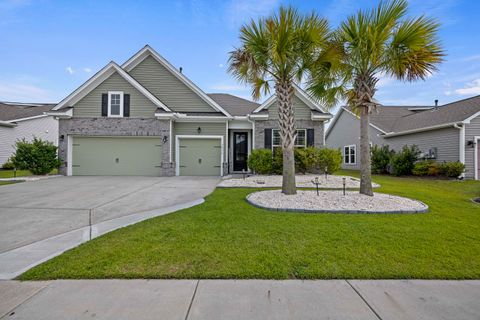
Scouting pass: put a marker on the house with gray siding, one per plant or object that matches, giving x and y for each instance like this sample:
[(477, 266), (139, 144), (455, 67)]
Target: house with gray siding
[(24, 121), (450, 132), (145, 117)]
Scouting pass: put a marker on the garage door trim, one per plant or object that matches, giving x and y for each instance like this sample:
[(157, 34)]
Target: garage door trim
[(177, 150), (70, 138)]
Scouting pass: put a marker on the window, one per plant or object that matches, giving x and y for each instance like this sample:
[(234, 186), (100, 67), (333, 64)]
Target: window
[(349, 155), (300, 140), (115, 104)]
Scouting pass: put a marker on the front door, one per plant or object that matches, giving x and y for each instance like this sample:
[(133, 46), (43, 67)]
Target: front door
[(240, 151)]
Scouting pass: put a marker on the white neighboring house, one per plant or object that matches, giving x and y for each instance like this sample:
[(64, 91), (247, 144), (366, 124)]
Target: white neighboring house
[(25, 120)]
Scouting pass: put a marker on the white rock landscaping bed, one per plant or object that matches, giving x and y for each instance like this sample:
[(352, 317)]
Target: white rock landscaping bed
[(302, 181), (334, 201)]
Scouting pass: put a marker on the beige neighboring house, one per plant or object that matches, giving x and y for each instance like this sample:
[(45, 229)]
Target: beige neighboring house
[(145, 117), (25, 120), (449, 132)]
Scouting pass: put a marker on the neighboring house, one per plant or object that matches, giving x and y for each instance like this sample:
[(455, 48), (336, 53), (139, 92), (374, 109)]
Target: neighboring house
[(443, 133), (146, 118), (23, 120)]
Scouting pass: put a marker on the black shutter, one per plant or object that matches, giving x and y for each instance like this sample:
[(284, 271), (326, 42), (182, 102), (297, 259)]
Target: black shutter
[(310, 137), (126, 105), (268, 139), (104, 104)]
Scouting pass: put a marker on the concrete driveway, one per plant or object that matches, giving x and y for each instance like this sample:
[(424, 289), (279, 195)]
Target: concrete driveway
[(33, 211)]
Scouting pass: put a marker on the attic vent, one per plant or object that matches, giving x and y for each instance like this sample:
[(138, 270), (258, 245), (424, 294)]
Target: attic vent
[(180, 69)]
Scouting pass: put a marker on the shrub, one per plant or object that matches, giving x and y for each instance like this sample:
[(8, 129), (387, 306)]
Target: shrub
[(38, 156), (403, 162), (331, 159), (260, 161), (277, 161), (452, 169), (381, 158), (305, 159), (8, 165), (426, 168)]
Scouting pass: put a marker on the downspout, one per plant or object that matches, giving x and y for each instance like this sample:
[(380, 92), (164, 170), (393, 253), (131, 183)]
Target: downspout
[(462, 144)]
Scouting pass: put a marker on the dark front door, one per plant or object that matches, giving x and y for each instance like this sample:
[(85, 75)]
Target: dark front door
[(240, 151)]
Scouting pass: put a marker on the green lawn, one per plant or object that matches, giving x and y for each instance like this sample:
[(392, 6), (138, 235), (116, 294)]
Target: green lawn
[(20, 173), (227, 238)]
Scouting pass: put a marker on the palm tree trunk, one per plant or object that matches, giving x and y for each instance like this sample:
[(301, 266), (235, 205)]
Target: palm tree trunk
[(365, 159), (284, 91)]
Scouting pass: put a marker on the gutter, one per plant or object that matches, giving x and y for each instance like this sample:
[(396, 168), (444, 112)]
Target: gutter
[(461, 144), (401, 133), (7, 124)]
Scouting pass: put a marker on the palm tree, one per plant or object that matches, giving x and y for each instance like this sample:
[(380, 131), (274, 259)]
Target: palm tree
[(279, 50), (374, 43)]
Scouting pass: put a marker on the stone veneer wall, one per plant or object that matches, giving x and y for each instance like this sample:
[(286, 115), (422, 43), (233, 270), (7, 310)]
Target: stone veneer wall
[(261, 125), (128, 127)]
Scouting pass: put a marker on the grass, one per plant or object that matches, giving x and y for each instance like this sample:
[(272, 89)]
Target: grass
[(20, 173), (227, 238)]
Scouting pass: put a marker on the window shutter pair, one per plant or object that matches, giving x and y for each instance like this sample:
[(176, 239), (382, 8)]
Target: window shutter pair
[(126, 105), (268, 138)]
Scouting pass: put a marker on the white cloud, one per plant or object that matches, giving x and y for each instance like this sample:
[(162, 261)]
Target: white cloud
[(220, 65), (23, 93), (239, 11), (70, 70), (228, 87), (472, 58), (87, 70), (470, 88)]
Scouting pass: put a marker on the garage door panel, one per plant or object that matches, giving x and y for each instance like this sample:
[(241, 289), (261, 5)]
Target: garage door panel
[(116, 156), (200, 157)]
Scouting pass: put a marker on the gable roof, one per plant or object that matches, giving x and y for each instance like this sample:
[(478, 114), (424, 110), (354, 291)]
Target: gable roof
[(11, 111), (301, 94), (397, 120), (101, 76), (149, 51), (235, 106)]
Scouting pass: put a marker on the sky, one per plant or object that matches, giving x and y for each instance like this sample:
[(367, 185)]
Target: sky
[(49, 48)]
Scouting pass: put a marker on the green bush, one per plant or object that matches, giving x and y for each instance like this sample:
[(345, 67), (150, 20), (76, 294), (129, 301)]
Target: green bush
[(403, 162), (38, 156), (381, 158), (8, 165), (260, 161), (426, 168), (452, 169), (277, 161), (330, 159), (305, 159)]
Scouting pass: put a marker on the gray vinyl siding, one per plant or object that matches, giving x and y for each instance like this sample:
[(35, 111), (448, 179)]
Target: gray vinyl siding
[(191, 128), (346, 132), (300, 110), (472, 129), (168, 88), (45, 128), (91, 104), (445, 140)]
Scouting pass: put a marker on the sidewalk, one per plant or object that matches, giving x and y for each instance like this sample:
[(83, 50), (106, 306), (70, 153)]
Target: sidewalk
[(240, 299)]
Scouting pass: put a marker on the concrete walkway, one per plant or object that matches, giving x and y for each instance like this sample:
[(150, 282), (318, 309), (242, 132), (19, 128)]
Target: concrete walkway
[(241, 299)]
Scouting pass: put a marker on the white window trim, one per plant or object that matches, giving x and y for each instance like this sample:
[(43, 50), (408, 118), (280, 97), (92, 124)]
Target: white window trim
[(354, 147), (297, 145), (109, 114)]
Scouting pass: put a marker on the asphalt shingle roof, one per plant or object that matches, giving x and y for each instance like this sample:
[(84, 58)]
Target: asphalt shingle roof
[(12, 111), (403, 118), (234, 105)]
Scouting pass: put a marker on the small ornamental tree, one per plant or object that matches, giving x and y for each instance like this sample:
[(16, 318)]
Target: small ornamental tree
[(38, 156)]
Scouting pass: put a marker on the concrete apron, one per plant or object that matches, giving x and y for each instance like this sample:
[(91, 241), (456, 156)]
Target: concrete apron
[(240, 299), (16, 261)]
